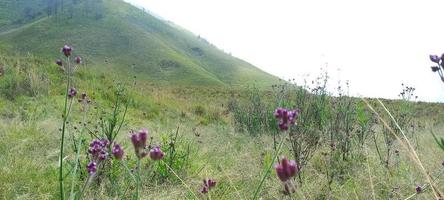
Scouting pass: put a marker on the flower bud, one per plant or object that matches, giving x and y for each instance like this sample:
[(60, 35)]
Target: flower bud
[(118, 152), (72, 92), (286, 169), (139, 142), (92, 167), (59, 62), (78, 59), (156, 153), (66, 50), (434, 58), (418, 189)]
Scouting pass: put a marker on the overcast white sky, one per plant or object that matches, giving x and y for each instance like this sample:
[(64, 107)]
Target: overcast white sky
[(376, 44)]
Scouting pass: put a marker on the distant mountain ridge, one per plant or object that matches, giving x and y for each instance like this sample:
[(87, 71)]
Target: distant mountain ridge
[(124, 38)]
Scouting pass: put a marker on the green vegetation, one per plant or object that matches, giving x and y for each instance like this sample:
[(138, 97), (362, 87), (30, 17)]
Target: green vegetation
[(201, 107), (129, 41)]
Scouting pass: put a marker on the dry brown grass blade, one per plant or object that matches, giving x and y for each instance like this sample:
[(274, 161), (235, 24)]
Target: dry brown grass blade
[(406, 145)]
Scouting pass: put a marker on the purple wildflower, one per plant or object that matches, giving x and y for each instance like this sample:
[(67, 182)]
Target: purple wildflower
[(59, 62), (72, 92), (204, 190), (139, 142), (286, 117), (207, 185), (103, 155), (118, 152), (156, 153), (97, 149), (418, 189), (66, 50), (78, 59), (434, 58), (286, 169), (92, 167)]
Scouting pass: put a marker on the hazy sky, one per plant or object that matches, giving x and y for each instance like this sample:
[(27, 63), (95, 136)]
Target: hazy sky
[(376, 44)]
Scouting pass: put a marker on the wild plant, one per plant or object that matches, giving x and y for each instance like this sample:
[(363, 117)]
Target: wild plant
[(342, 123), (178, 151), (365, 122), (70, 94), (439, 65), (254, 115), (284, 169), (313, 103), (403, 113), (104, 156)]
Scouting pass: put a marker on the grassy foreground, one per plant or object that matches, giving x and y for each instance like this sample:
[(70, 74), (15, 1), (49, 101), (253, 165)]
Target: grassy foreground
[(31, 100)]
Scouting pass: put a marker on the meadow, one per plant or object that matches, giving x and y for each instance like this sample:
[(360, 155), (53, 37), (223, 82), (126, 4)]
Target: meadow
[(343, 147)]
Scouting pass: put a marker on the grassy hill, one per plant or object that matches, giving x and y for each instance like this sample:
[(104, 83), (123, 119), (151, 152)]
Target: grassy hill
[(125, 39)]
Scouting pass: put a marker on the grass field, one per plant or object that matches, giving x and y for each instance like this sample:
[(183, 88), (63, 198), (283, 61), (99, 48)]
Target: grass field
[(213, 116), (209, 135)]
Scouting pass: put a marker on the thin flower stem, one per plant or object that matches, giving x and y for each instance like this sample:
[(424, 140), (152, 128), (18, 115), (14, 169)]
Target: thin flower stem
[(268, 169), (138, 179), (62, 140)]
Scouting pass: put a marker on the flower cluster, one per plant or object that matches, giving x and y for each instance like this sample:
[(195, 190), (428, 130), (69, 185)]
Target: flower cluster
[(286, 117), (66, 49), (117, 151), (285, 170), (139, 142), (418, 189), (97, 151), (78, 59), (439, 67), (207, 185), (72, 92), (156, 153), (59, 62)]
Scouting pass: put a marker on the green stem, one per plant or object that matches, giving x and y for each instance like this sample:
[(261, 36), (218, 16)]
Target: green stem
[(268, 169), (138, 179), (62, 140), (73, 183)]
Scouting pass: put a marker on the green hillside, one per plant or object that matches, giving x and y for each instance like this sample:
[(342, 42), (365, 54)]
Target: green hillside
[(124, 38)]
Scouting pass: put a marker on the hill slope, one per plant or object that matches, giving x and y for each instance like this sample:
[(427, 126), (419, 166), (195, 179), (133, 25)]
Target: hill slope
[(125, 39)]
